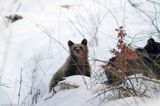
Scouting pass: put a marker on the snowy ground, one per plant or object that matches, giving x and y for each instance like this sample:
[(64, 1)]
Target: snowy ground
[(36, 46)]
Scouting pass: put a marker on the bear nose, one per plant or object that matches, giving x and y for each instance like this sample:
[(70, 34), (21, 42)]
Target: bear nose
[(77, 49)]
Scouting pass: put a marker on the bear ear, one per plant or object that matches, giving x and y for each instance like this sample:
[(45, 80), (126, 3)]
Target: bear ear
[(84, 42), (70, 43), (150, 41)]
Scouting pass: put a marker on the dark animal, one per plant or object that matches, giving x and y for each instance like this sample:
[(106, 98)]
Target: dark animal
[(76, 64), (147, 63)]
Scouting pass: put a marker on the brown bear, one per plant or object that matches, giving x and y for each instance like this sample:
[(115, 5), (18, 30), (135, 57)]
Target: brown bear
[(76, 64)]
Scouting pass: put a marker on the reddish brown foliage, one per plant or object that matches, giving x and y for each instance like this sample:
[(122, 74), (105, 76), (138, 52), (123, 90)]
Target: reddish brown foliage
[(122, 53)]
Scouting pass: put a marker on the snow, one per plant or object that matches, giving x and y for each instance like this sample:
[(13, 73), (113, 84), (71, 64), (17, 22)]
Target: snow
[(36, 46)]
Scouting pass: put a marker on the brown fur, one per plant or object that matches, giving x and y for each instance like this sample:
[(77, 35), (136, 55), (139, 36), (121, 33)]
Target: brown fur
[(81, 62), (76, 64)]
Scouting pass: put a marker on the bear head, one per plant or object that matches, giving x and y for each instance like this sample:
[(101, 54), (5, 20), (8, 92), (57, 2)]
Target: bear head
[(152, 47), (78, 50)]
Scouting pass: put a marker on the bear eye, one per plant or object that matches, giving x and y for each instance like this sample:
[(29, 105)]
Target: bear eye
[(75, 48), (81, 48)]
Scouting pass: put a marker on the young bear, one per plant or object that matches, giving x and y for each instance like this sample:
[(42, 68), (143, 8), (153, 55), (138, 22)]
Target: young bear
[(76, 64)]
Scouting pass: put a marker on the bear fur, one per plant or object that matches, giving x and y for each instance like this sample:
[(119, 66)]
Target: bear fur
[(148, 62), (76, 64)]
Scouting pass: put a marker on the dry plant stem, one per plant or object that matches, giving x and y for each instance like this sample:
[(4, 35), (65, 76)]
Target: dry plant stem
[(153, 1), (147, 79), (154, 20), (43, 29), (103, 61), (20, 85)]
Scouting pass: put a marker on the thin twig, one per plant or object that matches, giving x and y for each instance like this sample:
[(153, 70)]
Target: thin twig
[(20, 85)]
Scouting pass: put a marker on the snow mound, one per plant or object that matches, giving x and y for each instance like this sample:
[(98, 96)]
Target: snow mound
[(73, 82), (77, 93)]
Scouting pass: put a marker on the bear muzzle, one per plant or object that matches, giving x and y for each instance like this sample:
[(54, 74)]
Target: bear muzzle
[(77, 51)]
